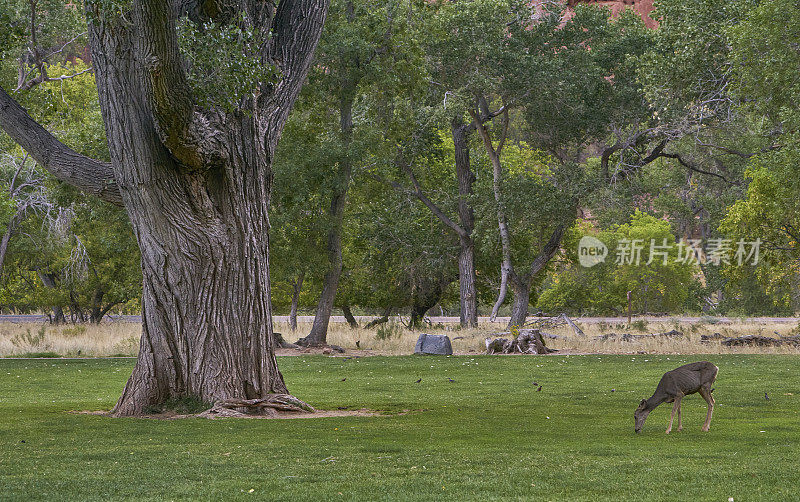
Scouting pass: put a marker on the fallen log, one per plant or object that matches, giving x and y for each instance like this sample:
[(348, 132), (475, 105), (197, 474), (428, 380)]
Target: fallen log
[(760, 341), (528, 341), (627, 337), (574, 326), (710, 338)]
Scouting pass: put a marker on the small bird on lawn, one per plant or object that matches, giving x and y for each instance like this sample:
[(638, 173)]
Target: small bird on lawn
[(613, 390), (418, 381), (450, 379), (539, 389), (766, 396), (343, 379), (535, 384)]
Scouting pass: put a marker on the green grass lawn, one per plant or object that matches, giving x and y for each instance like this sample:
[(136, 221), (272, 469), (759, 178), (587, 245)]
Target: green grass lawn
[(487, 435)]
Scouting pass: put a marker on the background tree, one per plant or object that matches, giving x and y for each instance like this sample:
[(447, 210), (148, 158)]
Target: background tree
[(356, 58)]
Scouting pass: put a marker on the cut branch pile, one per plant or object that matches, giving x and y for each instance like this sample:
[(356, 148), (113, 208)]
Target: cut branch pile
[(627, 337), (528, 341), (269, 407)]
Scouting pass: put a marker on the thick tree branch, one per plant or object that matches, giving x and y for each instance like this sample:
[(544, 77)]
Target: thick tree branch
[(420, 194), (189, 135), (89, 175), (547, 252), (694, 168), (296, 29)]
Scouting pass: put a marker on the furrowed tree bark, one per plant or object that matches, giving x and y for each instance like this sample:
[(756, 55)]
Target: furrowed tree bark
[(522, 297), (196, 186), (91, 176), (468, 297)]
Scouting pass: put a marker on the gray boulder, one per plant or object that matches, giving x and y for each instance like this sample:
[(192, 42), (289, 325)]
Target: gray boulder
[(433, 344)]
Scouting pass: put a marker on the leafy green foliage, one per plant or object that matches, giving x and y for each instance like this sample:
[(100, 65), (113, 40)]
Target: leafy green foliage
[(766, 57), (602, 289), (223, 62)]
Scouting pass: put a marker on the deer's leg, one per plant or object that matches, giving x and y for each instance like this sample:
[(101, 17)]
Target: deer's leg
[(680, 420), (706, 393), (675, 407)]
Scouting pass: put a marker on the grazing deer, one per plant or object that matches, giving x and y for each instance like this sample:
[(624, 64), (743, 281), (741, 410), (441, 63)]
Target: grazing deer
[(688, 379)]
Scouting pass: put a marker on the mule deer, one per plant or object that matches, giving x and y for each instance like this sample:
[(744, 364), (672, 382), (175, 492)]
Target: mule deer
[(688, 379)]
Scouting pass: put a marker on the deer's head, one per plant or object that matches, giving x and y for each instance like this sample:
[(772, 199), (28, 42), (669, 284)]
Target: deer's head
[(640, 415)]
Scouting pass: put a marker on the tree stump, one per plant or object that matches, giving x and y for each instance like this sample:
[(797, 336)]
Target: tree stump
[(528, 341)]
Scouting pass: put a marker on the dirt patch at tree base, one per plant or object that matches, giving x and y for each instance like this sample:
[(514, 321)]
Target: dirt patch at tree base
[(279, 415)]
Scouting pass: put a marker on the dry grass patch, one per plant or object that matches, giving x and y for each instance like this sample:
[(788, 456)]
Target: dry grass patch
[(80, 340), (122, 339), (401, 340)]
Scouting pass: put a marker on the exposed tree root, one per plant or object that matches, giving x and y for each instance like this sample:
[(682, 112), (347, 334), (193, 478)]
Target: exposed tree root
[(305, 342), (269, 406)]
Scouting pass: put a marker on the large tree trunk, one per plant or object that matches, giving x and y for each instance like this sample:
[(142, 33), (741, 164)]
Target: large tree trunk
[(196, 184), (468, 297)]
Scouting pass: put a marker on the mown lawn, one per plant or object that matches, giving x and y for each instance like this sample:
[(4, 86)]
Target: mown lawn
[(488, 435)]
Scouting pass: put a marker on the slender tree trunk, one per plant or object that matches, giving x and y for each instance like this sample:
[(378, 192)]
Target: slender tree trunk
[(348, 315), (519, 309), (49, 281), (319, 330), (466, 224), (96, 314), (4, 242), (468, 297), (296, 287), (520, 283)]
